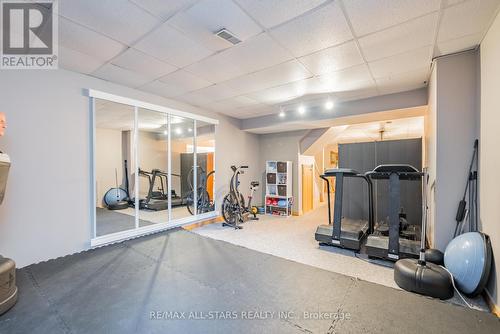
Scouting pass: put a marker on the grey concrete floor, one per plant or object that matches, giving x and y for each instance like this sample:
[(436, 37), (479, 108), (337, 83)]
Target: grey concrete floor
[(179, 282)]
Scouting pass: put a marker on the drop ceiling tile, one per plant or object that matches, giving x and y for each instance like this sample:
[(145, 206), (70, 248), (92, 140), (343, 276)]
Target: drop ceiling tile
[(289, 91), (401, 63), (234, 103), (78, 62), (158, 88), (355, 77), (256, 53), (270, 77), (270, 13), (181, 82), (120, 75), (333, 59), (137, 61), (163, 9), (217, 92), (458, 44), (172, 46), (76, 37), (195, 99), (403, 81), (201, 21), (118, 19), (467, 18), (373, 15), (401, 38), (314, 31)]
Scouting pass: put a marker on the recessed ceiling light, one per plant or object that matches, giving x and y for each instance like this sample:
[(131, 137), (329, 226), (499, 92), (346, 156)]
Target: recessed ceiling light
[(178, 131), (282, 114), (190, 130), (302, 109), (329, 105), (165, 132)]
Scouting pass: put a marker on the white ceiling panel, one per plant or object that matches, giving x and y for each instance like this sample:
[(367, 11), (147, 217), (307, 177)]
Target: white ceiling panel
[(234, 103), (403, 81), (270, 77), (252, 55), (78, 62), (289, 91), (355, 77), (119, 19), (139, 62), (120, 75), (467, 18), (205, 18), (84, 40), (373, 15), (181, 82), (458, 44), (333, 59), (217, 92), (270, 13), (314, 31), (157, 87), (163, 9), (172, 46), (401, 38), (401, 63)]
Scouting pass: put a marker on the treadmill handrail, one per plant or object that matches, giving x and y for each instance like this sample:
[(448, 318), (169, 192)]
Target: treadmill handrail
[(404, 171), (336, 231)]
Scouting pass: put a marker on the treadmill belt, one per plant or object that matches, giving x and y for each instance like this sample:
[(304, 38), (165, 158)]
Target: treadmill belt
[(351, 235)]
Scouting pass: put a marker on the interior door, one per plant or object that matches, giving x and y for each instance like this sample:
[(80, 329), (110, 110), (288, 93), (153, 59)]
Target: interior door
[(307, 188)]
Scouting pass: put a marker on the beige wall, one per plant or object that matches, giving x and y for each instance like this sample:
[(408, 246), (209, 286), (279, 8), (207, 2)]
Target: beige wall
[(108, 158), (489, 151)]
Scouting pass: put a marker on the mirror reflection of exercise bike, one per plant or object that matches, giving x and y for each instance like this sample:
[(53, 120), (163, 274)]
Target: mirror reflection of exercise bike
[(234, 210), (204, 202)]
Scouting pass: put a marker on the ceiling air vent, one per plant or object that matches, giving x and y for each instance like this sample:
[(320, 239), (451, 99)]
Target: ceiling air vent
[(228, 36)]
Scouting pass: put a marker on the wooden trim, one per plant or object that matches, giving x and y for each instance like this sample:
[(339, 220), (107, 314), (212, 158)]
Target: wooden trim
[(203, 223), (495, 309), (295, 213)]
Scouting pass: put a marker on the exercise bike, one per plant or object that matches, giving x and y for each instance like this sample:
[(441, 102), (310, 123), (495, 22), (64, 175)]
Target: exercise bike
[(234, 210), (203, 200)]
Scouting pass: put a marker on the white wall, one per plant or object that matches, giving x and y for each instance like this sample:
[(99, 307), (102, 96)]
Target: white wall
[(48, 139), (108, 157), (489, 151), (455, 106), (284, 147)]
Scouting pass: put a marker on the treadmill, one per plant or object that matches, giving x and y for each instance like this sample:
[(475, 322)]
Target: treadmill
[(150, 203), (393, 247), (176, 200), (344, 232)]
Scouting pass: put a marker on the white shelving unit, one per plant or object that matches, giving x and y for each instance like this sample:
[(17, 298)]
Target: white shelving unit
[(279, 197)]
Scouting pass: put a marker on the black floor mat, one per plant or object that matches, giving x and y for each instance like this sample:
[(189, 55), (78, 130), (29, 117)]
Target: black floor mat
[(180, 282)]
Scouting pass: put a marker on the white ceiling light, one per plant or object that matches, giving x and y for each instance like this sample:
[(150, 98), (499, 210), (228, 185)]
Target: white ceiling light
[(165, 132), (190, 130), (149, 126), (178, 131), (301, 109), (282, 113), (329, 104)]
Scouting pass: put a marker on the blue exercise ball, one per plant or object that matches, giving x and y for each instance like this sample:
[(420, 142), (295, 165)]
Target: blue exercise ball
[(468, 258)]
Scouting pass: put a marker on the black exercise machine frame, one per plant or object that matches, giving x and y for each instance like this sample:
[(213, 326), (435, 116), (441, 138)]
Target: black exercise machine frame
[(340, 173), (388, 172)]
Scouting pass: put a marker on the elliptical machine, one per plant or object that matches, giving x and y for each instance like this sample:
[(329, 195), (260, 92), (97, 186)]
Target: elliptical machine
[(234, 210)]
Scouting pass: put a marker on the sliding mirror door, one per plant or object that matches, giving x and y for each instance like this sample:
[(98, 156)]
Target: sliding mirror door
[(205, 159), (113, 155), (152, 148), (183, 167)]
